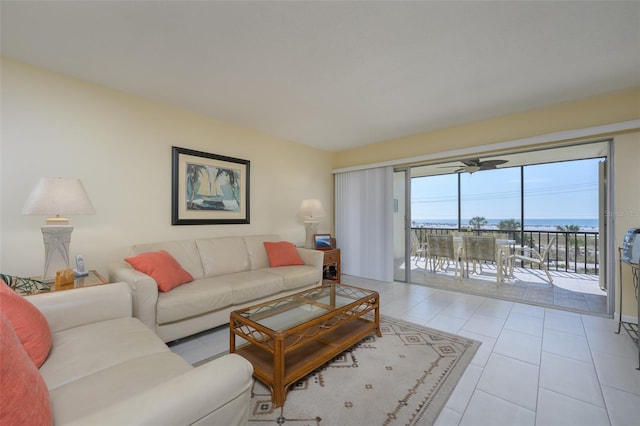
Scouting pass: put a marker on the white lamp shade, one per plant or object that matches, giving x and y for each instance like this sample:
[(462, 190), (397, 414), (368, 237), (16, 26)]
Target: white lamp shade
[(311, 208), (58, 197)]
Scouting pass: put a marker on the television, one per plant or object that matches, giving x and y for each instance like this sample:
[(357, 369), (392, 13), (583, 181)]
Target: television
[(631, 246)]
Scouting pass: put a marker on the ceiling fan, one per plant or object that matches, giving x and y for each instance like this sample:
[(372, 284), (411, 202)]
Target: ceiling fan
[(474, 164)]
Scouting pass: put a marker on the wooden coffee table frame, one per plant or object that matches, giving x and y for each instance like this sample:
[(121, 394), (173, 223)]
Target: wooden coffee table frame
[(281, 358)]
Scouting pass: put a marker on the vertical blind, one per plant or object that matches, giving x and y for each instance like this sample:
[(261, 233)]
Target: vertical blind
[(364, 219)]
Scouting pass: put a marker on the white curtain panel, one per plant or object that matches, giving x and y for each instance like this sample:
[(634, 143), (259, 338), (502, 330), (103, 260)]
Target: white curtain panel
[(364, 214)]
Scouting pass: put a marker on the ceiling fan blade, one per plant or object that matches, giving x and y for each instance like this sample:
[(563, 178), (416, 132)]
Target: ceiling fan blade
[(471, 162), (487, 167), (491, 163)]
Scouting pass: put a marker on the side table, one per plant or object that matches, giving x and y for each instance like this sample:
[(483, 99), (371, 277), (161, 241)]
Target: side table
[(94, 278), (632, 329), (331, 266)]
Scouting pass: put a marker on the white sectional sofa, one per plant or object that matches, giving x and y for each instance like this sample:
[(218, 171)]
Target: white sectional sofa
[(229, 273), (106, 368)]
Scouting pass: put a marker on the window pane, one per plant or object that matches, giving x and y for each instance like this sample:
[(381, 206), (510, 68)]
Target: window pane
[(492, 195), (434, 201), (561, 194)]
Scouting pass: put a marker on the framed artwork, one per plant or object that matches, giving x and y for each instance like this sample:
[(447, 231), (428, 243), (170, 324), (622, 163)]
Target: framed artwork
[(323, 242), (208, 188)]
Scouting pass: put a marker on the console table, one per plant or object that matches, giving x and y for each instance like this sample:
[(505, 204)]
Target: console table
[(630, 327)]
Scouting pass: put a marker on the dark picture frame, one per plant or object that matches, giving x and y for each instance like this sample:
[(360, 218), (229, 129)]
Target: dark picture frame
[(208, 189), (323, 242)]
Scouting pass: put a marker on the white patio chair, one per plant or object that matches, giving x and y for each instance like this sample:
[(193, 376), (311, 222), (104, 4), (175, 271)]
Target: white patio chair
[(531, 255), (479, 249), (440, 249), (418, 249)]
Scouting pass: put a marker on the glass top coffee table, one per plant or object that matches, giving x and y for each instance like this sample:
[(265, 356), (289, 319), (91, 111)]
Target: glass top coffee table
[(287, 338)]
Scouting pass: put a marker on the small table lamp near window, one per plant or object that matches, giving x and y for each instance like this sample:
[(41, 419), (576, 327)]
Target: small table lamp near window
[(57, 197), (311, 210)]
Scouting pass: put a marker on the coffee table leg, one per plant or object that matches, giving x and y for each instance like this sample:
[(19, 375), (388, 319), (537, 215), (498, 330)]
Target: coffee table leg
[(278, 392), (377, 319), (232, 338), (232, 342)]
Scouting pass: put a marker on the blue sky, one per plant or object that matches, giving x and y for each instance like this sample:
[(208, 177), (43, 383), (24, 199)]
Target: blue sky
[(556, 190)]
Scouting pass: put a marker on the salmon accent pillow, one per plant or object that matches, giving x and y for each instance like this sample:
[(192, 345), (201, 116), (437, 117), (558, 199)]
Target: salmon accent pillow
[(162, 267), (282, 253), (29, 324), (25, 397)]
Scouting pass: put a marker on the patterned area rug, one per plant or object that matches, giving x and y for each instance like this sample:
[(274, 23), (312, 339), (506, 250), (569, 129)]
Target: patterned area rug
[(402, 378)]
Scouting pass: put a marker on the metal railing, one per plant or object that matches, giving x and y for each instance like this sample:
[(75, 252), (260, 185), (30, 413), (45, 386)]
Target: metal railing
[(572, 251)]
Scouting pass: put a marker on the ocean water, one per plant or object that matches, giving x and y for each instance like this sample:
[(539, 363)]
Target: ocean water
[(584, 224)]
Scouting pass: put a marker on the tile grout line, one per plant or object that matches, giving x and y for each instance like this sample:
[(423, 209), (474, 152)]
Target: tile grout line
[(595, 369)]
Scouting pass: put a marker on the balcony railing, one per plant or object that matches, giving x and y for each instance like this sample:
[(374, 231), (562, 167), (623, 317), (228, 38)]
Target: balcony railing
[(572, 251)]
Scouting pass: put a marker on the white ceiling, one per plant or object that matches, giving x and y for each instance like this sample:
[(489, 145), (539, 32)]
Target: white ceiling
[(336, 74)]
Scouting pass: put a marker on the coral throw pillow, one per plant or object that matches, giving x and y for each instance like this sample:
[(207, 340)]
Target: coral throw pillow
[(162, 267), (25, 397), (282, 253), (29, 324)]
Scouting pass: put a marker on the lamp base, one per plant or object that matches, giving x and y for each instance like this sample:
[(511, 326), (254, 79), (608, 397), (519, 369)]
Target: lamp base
[(56, 249), (311, 226)]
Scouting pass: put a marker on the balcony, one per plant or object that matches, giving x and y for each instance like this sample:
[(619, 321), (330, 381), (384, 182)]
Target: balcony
[(572, 251), (573, 262)]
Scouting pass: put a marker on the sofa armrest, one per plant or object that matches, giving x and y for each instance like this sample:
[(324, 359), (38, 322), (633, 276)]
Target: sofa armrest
[(215, 393), (71, 308), (311, 257), (144, 290)]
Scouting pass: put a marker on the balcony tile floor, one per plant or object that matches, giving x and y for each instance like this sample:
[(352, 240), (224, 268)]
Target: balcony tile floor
[(571, 291), (536, 365)]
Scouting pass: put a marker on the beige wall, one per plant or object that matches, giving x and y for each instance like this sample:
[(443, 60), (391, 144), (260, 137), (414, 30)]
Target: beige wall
[(120, 147), (612, 108), (626, 211)]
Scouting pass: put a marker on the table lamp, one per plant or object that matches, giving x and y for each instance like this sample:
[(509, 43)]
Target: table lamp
[(310, 210), (57, 197)]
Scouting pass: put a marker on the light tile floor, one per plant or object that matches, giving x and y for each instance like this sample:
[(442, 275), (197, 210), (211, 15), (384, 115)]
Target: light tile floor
[(536, 365)]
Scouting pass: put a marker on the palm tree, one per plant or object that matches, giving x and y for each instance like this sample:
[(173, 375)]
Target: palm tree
[(509, 225), (477, 222), (194, 171), (568, 228)]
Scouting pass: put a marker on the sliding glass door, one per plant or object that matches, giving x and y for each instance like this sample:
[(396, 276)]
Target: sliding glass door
[(401, 226)]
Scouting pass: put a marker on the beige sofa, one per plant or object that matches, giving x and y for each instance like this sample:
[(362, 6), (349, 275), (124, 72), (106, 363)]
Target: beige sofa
[(229, 273), (107, 368)]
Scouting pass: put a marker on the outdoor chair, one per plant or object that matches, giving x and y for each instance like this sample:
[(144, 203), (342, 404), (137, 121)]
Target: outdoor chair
[(440, 249), (418, 249), (531, 255), (479, 249)]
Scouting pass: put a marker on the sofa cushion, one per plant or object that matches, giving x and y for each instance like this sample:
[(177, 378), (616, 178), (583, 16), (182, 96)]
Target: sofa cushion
[(252, 285), (185, 252), (223, 255), (282, 253), (81, 351), (296, 276), (25, 398), (257, 252), (29, 324), (113, 384), (162, 267), (193, 299)]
